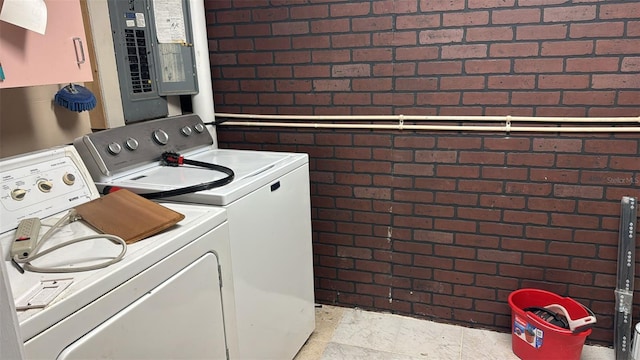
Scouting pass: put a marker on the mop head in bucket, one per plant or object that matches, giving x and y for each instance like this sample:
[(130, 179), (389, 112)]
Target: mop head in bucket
[(75, 98)]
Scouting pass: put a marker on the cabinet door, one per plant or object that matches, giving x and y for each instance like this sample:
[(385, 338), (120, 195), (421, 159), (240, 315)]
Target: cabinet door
[(29, 58)]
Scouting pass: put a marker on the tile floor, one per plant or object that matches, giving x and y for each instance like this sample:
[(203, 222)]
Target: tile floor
[(353, 334)]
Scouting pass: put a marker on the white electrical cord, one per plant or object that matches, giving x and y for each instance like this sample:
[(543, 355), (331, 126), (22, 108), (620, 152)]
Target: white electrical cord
[(70, 217)]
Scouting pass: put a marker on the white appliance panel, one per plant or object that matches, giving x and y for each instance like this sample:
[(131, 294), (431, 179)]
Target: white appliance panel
[(273, 276), (165, 318)]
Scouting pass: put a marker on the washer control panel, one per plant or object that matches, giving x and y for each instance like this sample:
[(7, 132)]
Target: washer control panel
[(116, 151), (41, 184)]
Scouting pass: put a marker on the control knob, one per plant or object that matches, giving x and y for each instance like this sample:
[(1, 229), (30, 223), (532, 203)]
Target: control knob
[(199, 127), (44, 185), (186, 131), (161, 137), (131, 144), (68, 179), (18, 194), (114, 148)]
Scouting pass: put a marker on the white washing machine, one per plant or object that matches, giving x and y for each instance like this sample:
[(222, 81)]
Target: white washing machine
[(269, 214), (164, 300)]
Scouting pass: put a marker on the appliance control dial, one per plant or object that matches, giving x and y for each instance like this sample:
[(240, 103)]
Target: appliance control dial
[(161, 137), (186, 131), (18, 194), (114, 148), (44, 185), (131, 144), (199, 127), (68, 179)]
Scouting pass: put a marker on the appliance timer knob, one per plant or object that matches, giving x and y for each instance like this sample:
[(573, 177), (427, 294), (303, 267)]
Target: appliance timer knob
[(18, 194), (161, 137), (68, 179), (186, 131), (114, 148), (45, 185), (199, 128), (131, 144)]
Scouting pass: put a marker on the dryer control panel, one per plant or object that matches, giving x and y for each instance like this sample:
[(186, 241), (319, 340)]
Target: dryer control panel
[(41, 184)]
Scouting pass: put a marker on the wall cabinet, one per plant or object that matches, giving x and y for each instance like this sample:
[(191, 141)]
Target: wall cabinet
[(29, 58)]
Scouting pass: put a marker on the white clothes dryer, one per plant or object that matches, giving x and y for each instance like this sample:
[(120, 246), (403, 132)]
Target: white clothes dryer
[(164, 299)]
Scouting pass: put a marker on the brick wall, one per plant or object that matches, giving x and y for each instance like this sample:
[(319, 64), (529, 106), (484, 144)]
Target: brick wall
[(436, 224)]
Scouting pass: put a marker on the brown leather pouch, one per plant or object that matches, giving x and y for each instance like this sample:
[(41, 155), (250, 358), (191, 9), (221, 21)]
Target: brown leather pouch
[(128, 215)]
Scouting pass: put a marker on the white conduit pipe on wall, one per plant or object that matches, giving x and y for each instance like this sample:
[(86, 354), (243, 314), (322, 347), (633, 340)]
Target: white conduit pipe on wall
[(507, 127)]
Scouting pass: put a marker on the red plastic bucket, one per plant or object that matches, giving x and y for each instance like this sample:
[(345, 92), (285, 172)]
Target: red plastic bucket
[(533, 338)]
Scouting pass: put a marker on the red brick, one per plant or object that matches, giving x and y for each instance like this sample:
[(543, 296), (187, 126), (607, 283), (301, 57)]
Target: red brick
[(235, 44), (416, 83), (462, 82), (563, 81), (487, 66), (633, 28), (618, 46), (482, 186), (275, 99), (581, 161), (444, 5), (509, 144), (625, 163), (380, 84), (351, 70), (487, 97), (538, 65), (248, 30), (330, 56), (330, 26), (415, 53), (292, 57), (557, 145), (554, 175), (331, 85), (458, 171), (468, 18), (588, 97), (597, 30), (242, 72), (255, 58), (481, 157), (489, 33), (535, 98), (401, 38), (527, 188), (310, 42), (616, 81), (417, 21), (441, 36), (290, 28), (547, 233), (596, 64), (614, 112), (620, 11), (575, 221), (522, 49), (394, 7), (257, 85), (517, 16), (502, 201), (552, 205), (479, 214), (535, 32), (542, 2), (578, 191), (311, 71), (631, 64), (530, 159), (464, 51), (554, 48), (548, 260), (371, 24), (234, 16), (350, 40), (266, 15), (309, 12), (440, 67), (312, 99), (508, 111), (526, 217), (570, 13), (504, 173), (481, 267), (511, 82), (489, 4), (438, 98), (393, 98), (629, 98), (503, 229), (349, 9)]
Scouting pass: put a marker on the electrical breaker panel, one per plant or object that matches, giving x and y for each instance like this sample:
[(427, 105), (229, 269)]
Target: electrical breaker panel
[(154, 55)]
